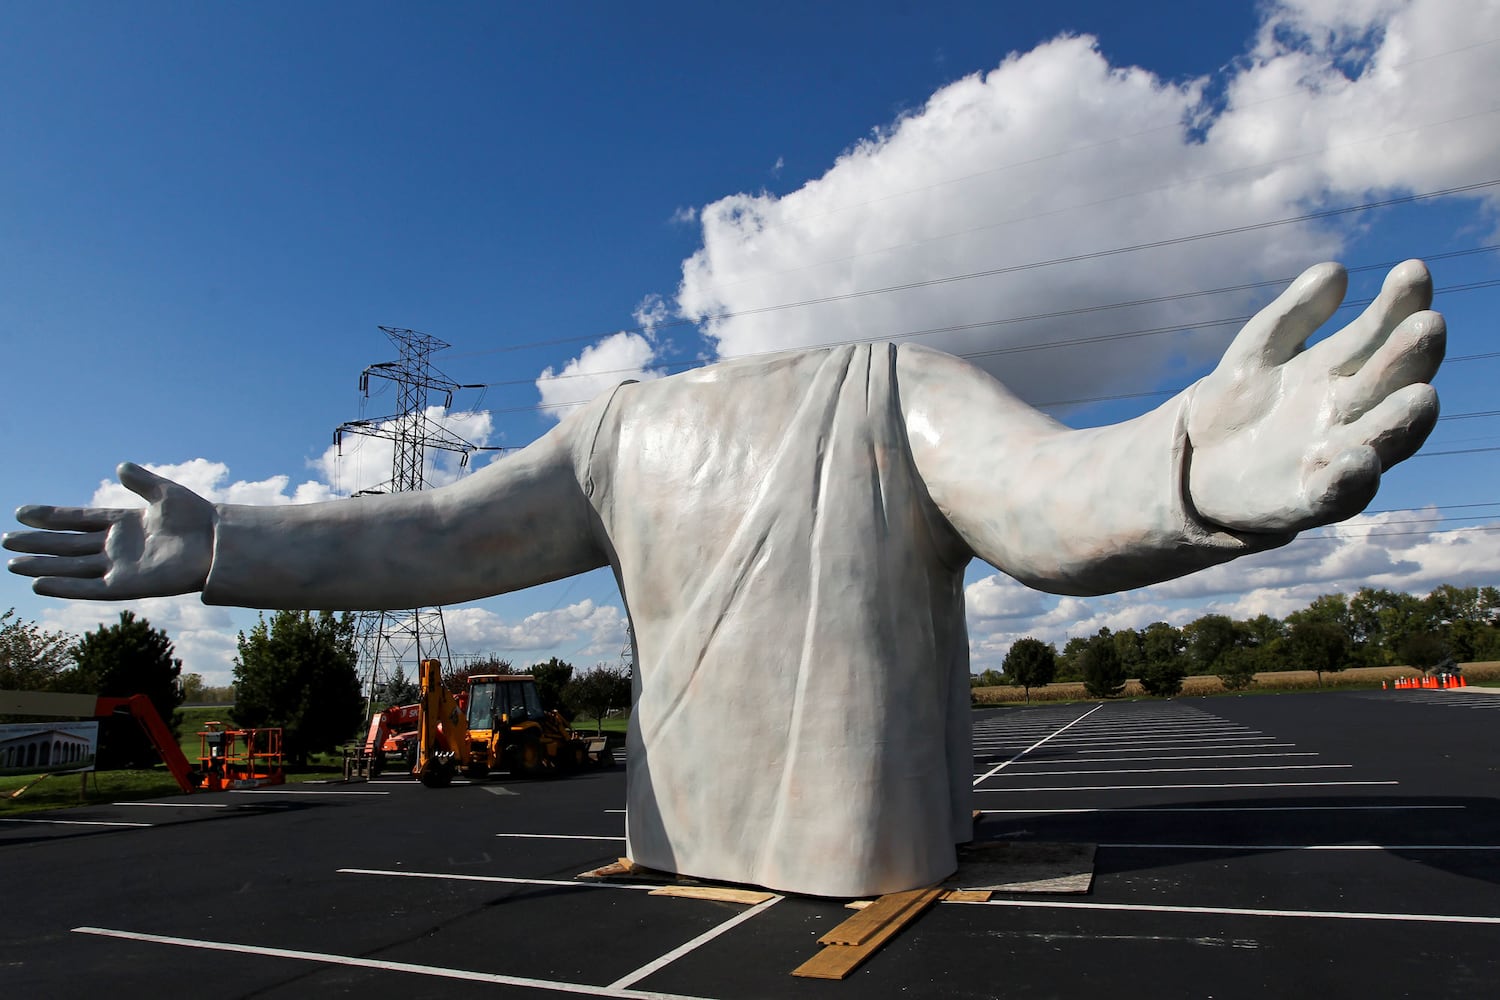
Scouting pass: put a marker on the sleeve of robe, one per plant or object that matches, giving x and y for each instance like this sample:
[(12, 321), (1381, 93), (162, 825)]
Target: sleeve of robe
[(1080, 512)]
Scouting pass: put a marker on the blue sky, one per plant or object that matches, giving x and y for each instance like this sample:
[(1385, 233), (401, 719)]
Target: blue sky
[(208, 210)]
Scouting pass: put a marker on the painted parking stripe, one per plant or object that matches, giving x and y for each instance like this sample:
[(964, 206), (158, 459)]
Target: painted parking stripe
[(370, 963), (501, 879), (1305, 847), (279, 791), (176, 805), (1185, 756), (1211, 809), (650, 967), (1000, 767), (553, 836), (1194, 746), (1236, 911), (1225, 784), (1183, 770), (75, 822)]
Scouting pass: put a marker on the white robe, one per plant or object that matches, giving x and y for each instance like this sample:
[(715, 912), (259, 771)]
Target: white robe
[(790, 536)]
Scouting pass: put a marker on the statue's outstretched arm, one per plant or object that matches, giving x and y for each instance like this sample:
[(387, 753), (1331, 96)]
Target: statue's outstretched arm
[(1277, 439), (521, 521)]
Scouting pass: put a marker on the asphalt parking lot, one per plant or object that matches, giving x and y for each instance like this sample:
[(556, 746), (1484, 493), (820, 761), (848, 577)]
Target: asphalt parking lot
[(1344, 844)]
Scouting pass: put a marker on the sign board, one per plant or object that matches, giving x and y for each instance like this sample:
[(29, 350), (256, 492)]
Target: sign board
[(48, 747)]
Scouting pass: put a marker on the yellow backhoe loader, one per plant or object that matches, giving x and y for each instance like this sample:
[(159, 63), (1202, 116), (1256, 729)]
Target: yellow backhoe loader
[(497, 724)]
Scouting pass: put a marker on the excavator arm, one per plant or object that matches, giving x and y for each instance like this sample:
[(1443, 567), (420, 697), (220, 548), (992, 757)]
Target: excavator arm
[(443, 735)]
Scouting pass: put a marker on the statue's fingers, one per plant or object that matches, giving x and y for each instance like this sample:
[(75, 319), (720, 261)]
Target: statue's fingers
[(1343, 487), (55, 543), (68, 518), (1276, 333), (74, 589), (1409, 356), (1396, 427), (142, 482), (1407, 290), (91, 566)]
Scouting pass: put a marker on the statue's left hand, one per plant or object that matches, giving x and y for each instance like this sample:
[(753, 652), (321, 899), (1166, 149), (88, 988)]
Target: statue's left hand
[(1284, 438), (116, 554)]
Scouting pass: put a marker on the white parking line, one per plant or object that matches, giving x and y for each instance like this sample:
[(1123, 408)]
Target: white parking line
[(176, 805), (1000, 767), (369, 963), (693, 945), (1184, 770), (503, 879), (1193, 746), (554, 836), (280, 791), (1210, 809), (1188, 756), (1234, 911), (1228, 784), (1305, 847), (75, 822)]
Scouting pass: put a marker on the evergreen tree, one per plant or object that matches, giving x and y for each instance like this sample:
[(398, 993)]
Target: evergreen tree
[(124, 659), (1103, 673), (297, 672)]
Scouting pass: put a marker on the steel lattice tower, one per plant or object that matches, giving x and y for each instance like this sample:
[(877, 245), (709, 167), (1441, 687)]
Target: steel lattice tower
[(404, 637)]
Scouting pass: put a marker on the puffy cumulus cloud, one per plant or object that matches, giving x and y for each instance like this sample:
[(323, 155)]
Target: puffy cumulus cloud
[(602, 366), (1056, 153), (583, 629), (211, 480), (365, 461), (204, 637), (1413, 551)]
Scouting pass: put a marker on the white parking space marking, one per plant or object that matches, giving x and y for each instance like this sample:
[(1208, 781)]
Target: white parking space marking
[(176, 805), (1000, 767), (554, 836), (1226, 784), (279, 791), (1210, 809), (1304, 847), (1185, 770), (503, 879), (1195, 746), (75, 822), (693, 945), (582, 989), (1235, 911)]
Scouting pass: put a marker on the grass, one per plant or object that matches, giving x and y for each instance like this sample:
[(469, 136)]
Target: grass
[(1480, 674)]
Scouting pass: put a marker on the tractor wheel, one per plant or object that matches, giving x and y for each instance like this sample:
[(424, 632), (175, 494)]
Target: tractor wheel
[(439, 776)]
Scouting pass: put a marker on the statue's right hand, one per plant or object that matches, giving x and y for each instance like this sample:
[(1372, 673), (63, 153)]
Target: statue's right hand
[(118, 554)]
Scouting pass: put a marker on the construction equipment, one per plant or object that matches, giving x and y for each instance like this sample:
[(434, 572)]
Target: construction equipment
[(498, 723), (392, 735), (236, 758)]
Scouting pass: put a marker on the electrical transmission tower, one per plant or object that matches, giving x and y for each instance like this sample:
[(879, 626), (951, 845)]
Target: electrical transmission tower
[(392, 638)]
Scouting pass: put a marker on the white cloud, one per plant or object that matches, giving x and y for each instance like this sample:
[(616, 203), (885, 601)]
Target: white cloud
[(364, 462), (600, 367), (593, 630), (1057, 153), (1411, 551), (204, 637)]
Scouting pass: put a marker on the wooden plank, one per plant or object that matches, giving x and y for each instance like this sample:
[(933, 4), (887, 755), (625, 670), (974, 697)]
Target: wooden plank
[(718, 893), (837, 961), (967, 896), (862, 926)]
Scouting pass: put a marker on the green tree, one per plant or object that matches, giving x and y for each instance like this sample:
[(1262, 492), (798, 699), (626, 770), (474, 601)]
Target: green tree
[(1070, 660), (1031, 663), (398, 689), (30, 657), (1237, 668), (297, 671), (129, 658), (1318, 645), (1422, 650), (988, 678), (193, 689), (551, 678), (593, 694), (1103, 673), (1164, 666), (456, 679), (1208, 639)]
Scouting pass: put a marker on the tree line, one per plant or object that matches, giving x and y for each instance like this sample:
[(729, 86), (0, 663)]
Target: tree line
[(296, 671), (1371, 628)]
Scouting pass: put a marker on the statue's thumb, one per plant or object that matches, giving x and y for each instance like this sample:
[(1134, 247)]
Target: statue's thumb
[(142, 482)]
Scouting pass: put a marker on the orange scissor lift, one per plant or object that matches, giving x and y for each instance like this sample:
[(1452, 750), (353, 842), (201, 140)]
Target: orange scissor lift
[(238, 758)]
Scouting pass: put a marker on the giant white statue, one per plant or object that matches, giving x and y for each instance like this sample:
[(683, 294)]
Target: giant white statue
[(790, 534)]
